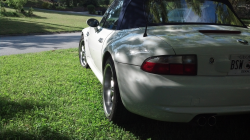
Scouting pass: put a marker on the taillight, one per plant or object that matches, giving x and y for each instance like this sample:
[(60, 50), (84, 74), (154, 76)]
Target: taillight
[(171, 65)]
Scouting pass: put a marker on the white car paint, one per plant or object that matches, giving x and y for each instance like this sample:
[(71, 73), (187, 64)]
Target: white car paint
[(97, 39), (181, 98), (176, 98)]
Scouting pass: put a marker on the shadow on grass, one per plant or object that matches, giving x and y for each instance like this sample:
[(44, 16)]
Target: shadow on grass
[(66, 13), (11, 109), (228, 127), (45, 134), (51, 24), (17, 14), (14, 27)]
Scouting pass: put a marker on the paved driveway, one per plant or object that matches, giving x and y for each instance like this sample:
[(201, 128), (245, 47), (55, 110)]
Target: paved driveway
[(38, 43)]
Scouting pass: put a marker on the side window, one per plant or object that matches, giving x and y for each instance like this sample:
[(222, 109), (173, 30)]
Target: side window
[(104, 17), (113, 15)]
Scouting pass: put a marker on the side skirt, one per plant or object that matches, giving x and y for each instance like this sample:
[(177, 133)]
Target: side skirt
[(97, 73)]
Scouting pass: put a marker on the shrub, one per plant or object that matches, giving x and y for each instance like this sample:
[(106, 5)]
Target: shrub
[(90, 2), (30, 12), (16, 4), (3, 10), (91, 9), (46, 5), (23, 11), (106, 2)]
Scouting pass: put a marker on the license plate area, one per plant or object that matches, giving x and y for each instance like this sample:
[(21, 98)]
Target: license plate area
[(240, 65)]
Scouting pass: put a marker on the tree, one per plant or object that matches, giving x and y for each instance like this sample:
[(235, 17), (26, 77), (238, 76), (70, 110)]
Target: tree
[(75, 2), (68, 3), (90, 2), (195, 5), (16, 4), (106, 2)]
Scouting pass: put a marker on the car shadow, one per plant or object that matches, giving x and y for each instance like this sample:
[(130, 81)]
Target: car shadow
[(227, 127)]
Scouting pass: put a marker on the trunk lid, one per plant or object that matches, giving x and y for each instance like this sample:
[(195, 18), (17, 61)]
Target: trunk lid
[(218, 49)]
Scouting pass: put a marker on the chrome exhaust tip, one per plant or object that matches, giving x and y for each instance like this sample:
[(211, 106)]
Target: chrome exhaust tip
[(202, 121), (212, 121)]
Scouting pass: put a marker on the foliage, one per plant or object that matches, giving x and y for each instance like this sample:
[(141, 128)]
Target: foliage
[(195, 5), (3, 10), (46, 5), (16, 4), (30, 12), (71, 3), (76, 2), (104, 2), (91, 9), (90, 2)]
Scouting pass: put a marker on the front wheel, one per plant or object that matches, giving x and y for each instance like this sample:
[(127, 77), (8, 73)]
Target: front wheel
[(112, 104), (82, 54)]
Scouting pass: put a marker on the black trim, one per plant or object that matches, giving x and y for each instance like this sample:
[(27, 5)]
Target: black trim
[(220, 31)]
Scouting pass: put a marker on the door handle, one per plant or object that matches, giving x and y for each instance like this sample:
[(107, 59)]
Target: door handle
[(100, 40), (87, 33)]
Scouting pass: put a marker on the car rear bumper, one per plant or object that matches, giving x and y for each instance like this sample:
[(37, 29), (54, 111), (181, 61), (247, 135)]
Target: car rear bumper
[(181, 98)]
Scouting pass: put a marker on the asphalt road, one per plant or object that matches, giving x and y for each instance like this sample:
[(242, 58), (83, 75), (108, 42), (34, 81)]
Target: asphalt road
[(38, 43)]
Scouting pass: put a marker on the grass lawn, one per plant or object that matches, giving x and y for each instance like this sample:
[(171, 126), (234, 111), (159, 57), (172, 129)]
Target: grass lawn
[(49, 96), (42, 22)]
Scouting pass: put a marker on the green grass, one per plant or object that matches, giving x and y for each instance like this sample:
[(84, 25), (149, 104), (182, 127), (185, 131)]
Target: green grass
[(42, 22), (49, 96)]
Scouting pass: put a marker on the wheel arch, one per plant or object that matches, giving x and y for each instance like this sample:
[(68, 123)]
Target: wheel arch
[(105, 58)]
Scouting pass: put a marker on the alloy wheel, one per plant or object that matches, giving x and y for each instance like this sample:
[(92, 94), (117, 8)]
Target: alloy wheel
[(108, 93), (83, 56)]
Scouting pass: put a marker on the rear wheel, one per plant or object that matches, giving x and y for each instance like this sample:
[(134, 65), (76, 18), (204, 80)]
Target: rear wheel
[(112, 104), (82, 54)]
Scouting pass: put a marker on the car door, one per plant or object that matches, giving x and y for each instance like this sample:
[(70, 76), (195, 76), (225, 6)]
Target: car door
[(98, 35)]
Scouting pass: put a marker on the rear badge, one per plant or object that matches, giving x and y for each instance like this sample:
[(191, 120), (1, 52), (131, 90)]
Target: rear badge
[(211, 60), (242, 41)]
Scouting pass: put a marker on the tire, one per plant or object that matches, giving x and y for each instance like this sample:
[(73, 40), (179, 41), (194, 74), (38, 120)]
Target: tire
[(112, 104), (82, 54)]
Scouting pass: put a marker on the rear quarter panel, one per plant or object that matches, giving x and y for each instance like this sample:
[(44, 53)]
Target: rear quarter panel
[(130, 47)]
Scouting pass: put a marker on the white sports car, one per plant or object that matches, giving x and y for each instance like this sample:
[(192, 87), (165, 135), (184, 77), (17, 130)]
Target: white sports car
[(170, 60)]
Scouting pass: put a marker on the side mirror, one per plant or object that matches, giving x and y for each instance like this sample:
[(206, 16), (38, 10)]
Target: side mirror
[(92, 22)]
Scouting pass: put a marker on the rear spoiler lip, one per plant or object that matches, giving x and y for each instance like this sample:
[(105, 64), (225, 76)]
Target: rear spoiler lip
[(220, 31)]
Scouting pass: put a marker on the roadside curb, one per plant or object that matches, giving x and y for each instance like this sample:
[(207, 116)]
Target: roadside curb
[(48, 33)]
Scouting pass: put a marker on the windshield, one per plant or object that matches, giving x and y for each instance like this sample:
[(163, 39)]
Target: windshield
[(190, 11)]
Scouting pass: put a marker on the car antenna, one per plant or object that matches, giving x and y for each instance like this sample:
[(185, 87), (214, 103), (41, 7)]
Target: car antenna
[(146, 28)]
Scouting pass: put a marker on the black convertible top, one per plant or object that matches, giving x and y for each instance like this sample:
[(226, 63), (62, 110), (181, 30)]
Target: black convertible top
[(133, 13)]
